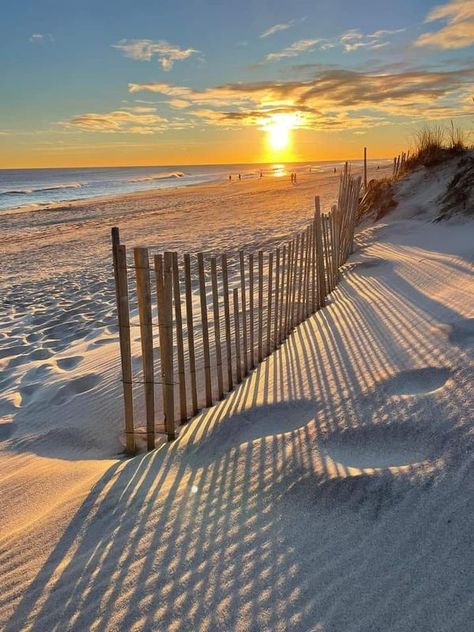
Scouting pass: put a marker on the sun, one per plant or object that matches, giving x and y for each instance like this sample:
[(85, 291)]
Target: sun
[(278, 129), (278, 136)]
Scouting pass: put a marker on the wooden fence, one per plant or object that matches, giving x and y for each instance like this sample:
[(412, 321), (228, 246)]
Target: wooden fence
[(399, 163), (203, 322)]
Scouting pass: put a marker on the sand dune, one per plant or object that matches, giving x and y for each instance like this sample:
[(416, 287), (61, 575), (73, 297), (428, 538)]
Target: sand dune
[(331, 491)]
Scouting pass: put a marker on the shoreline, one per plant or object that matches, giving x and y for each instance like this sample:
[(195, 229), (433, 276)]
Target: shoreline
[(218, 180)]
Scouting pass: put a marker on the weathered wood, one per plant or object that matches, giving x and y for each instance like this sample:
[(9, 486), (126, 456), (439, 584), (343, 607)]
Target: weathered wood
[(289, 276), (183, 408), (365, 169), (142, 270), (319, 252), (269, 303), (260, 305), (228, 331), (327, 265), (243, 295), (277, 298), (306, 274), (282, 296), (251, 312), (294, 284), (167, 359), (123, 315), (299, 305), (217, 329), (205, 329), (190, 332), (238, 371)]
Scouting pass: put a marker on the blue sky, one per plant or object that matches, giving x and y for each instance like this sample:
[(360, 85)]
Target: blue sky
[(144, 81)]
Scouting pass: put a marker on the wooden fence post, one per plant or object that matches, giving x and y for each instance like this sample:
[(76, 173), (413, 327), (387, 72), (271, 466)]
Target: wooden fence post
[(289, 276), (167, 358), (299, 305), (238, 377), (217, 328), (365, 169), (228, 333), (294, 282), (205, 329), (277, 298), (179, 340), (243, 295), (269, 297), (251, 312), (190, 331), (123, 315), (142, 270), (319, 252), (260, 305), (282, 296)]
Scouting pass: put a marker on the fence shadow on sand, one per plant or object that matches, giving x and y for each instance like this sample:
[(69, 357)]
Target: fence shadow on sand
[(246, 524)]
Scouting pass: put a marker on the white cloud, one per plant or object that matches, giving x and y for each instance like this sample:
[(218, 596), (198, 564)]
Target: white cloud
[(276, 28), (40, 38), (353, 39), (137, 120), (295, 49), (145, 50), (459, 29)]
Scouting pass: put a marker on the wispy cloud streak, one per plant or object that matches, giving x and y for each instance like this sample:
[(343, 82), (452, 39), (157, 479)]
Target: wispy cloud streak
[(459, 30), (146, 50)]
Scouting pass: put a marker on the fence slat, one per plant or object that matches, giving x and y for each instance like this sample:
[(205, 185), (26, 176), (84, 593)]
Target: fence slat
[(205, 329), (269, 298), (319, 252), (142, 271), (123, 314), (299, 306), (282, 296), (251, 312), (167, 357), (183, 409), (243, 296), (277, 298), (294, 285), (190, 331), (289, 276), (228, 332), (260, 305), (217, 328), (238, 371)]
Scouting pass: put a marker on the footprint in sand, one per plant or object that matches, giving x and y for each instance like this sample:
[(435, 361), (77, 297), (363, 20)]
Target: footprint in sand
[(376, 447), (416, 381), (66, 364), (462, 333), (261, 422), (75, 387), (6, 430), (372, 266)]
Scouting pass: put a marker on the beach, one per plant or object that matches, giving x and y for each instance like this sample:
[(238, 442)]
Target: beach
[(330, 491)]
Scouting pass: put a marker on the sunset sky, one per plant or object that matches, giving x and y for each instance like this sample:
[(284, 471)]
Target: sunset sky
[(114, 82)]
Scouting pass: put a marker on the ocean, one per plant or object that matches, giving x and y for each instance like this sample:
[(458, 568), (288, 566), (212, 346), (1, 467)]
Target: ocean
[(20, 188)]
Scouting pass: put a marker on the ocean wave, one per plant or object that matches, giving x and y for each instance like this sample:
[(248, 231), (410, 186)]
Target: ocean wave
[(50, 187), (158, 176)]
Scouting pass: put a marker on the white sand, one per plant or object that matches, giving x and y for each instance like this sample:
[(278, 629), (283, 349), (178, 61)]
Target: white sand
[(331, 491)]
